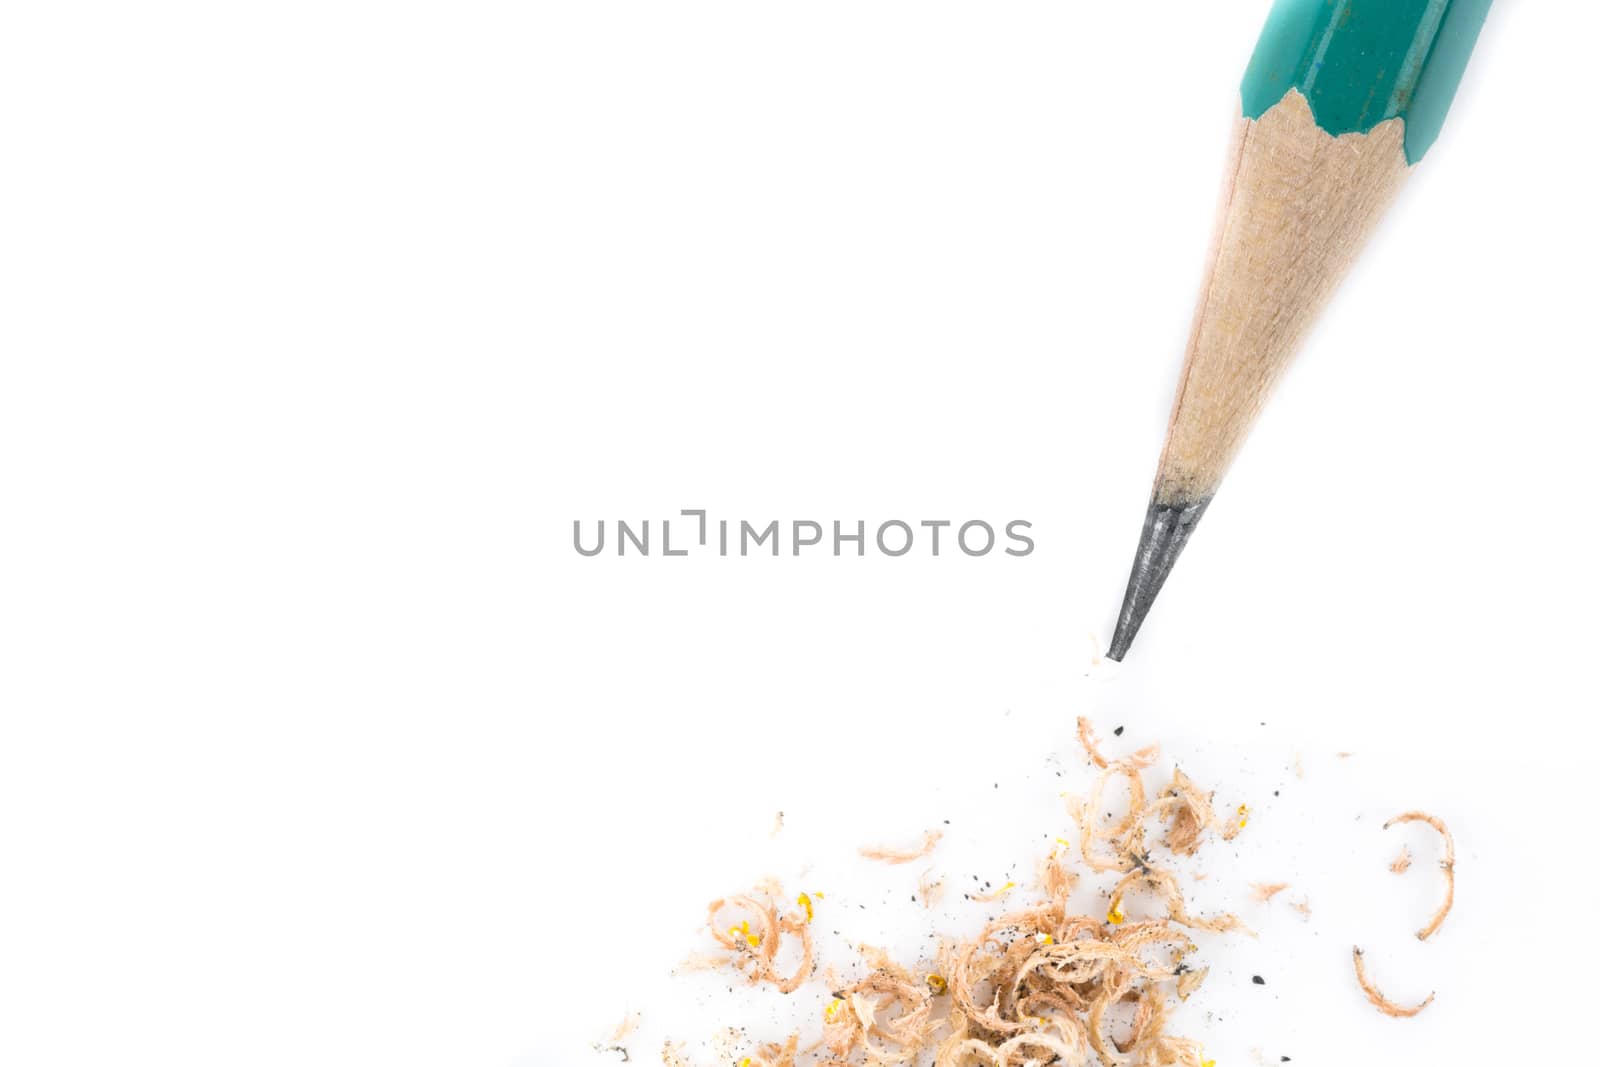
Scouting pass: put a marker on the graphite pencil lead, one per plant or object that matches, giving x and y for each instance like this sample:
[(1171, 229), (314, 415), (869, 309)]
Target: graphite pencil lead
[(1166, 530)]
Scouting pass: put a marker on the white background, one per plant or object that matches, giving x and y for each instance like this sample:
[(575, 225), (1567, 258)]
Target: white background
[(321, 322)]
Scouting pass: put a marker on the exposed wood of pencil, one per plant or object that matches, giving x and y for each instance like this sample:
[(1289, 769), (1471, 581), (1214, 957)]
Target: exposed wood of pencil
[(1298, 205)]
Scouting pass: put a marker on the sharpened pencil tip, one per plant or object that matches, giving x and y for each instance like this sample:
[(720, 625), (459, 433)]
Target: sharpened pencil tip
[(1166, 530)]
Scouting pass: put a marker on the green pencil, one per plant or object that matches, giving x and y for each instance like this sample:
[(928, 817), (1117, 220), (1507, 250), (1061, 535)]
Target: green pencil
[(1340, 100)]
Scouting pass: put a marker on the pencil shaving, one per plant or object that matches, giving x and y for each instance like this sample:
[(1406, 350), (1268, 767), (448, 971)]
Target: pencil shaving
[(887, 1015), (754, 949), (1165, 885), (1189, 981), (1142, 758), (1265, 891), (885, 854), (1402, 862), (700, 961), (629, 1023), (1447, 865), (993, 894), (1375, 995), (1189, 814), (1185, 808)]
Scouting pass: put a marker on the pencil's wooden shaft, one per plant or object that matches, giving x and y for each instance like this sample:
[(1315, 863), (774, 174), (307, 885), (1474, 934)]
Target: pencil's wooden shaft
[(1340, 98), (1298, 205)]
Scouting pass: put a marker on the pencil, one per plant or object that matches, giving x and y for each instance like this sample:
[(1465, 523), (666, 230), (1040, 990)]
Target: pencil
[(1340, 100)]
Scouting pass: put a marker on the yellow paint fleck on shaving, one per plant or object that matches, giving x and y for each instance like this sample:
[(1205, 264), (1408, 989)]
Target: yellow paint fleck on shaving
[(804, 901)]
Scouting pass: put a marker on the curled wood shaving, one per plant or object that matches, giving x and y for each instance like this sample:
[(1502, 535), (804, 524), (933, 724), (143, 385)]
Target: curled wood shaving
[(1182, 805), (1165, 884), (888, 1014), (1121, 834), (1190, 814), (885, 854), (754, 948), (1141, 759), (1447, 865), (1053, 878), (1090, 743), (1375, 995), (993, 894), (1265, 891)]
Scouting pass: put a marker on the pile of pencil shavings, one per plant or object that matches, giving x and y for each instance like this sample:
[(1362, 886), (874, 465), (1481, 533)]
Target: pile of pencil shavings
[(1038, 984), (1041, 984)]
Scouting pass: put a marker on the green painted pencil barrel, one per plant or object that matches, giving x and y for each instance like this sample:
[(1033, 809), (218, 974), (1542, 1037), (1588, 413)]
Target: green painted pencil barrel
[(1359, 62)]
